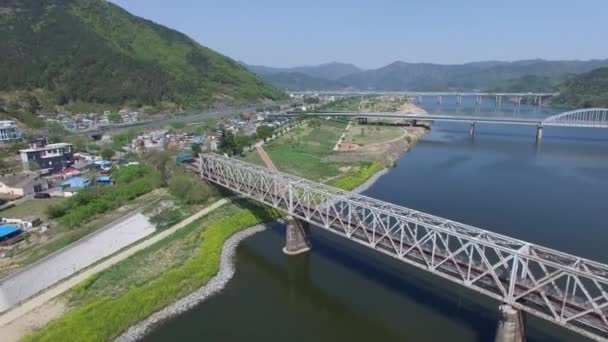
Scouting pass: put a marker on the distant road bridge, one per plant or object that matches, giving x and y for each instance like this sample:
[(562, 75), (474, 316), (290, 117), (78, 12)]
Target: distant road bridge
[(561, 288), (417, 96), (588, 117)]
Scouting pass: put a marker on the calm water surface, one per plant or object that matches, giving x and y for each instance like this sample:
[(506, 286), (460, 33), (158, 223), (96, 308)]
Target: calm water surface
[(552, 194)]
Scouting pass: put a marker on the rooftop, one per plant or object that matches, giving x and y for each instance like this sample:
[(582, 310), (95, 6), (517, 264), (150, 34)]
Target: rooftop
[(19, 180), (46, 147), (7, 123), (7, 230)]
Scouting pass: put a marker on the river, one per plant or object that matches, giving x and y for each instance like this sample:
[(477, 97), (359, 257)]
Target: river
[(553, 194)]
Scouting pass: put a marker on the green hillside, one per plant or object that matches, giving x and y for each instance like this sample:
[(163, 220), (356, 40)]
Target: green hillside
[(586, 90), (96, 52)]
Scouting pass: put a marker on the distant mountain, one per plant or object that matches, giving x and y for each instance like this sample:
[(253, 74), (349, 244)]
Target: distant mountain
[(95, 52), (331, 71), (296, 81), (586, 90), (322, 76), (525, 75), (479, 75)]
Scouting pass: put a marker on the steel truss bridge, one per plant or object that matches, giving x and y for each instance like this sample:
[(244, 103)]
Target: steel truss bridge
[(589, 117), (561, 288)]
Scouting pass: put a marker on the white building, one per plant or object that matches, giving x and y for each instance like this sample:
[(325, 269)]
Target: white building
[(8, 131)]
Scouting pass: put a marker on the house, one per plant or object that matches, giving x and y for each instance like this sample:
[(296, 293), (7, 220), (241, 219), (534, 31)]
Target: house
[(9, 234), (70, 171), (47, 156), (8, 132), (26, 224), (76, 183), (22, 184), (105, 180), (83, 165)]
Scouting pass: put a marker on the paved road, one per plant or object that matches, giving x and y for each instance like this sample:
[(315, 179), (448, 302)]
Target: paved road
[(42, 298)]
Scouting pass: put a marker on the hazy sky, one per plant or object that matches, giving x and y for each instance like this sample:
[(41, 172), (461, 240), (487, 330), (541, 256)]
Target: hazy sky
[(373, 33)]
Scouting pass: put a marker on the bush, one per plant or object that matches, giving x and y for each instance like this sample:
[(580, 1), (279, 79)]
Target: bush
[(55, 210), (187, 189), (358, 177)]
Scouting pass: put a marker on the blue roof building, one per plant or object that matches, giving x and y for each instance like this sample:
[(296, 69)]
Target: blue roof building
[(76, 183), (8, 231), (104, 179)]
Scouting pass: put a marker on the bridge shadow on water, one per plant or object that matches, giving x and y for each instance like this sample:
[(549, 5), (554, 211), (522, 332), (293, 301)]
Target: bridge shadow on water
[(455, 303)]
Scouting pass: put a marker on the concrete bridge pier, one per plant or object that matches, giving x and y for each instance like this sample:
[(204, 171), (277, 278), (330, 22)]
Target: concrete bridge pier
[(511, 327), (478, 99), (472, 129), (419, 99), (297, 240), (438, 99), (539, 133)]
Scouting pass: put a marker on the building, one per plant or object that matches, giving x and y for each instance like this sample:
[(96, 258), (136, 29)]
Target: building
[(8, 132), (22, 184), (9, 234), (43, 155)]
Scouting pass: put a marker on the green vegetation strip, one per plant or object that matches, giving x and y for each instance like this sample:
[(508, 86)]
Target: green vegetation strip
[(106, 318), (358, 177)]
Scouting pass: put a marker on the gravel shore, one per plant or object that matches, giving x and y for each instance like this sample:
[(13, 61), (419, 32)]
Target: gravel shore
[(215, 285)]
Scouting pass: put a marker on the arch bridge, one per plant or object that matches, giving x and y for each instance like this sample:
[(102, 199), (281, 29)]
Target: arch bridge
[(561, 288)]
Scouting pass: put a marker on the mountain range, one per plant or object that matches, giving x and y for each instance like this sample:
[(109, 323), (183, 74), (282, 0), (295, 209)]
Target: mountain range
[(525, 75), (92, 51)]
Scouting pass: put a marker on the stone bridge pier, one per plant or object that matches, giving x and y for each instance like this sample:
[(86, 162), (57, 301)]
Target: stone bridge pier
[(511, 327), (297, 239)]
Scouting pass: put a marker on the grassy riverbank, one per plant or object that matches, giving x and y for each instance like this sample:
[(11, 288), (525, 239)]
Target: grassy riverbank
[(102, 315)]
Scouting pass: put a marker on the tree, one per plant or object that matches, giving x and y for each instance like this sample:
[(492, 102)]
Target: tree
[(187, 189), (114, 117), (107, 154), (264, 132), (196, 149), (228, 144)]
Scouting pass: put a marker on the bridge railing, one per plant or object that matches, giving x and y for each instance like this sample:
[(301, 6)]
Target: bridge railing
[(562, 288), (588, 117)]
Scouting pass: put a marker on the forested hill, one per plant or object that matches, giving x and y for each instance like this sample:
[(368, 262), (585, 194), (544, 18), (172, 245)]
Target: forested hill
[(94, 51), (586, 90)]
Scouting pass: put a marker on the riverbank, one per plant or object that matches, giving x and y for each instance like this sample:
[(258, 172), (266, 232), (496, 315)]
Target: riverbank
[(103, 317), (215, 285)]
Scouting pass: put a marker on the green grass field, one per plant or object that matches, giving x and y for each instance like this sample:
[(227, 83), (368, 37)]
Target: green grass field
[(301, 152), (32, 208)]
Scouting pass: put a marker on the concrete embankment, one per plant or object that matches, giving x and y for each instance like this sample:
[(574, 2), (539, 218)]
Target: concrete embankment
[(73, 258), (215, 285)]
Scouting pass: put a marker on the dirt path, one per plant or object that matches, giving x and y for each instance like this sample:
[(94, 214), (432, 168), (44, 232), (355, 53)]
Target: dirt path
[(337, 147), (39, 310)]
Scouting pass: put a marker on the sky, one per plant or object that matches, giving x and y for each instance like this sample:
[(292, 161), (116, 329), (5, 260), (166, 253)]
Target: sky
[(373, 33)]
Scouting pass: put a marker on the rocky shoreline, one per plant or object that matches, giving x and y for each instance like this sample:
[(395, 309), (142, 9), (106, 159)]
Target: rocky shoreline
[(215, 285)]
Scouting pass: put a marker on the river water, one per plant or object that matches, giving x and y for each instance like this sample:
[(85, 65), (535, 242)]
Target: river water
[(553, 194)]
